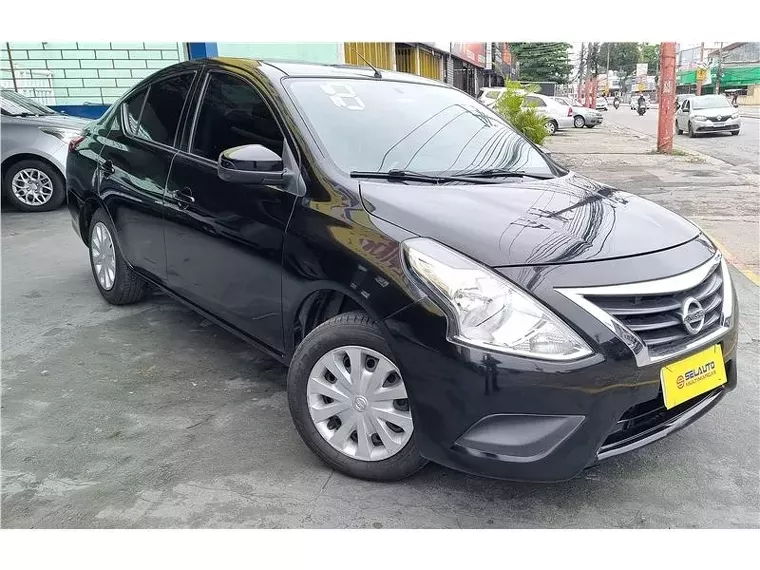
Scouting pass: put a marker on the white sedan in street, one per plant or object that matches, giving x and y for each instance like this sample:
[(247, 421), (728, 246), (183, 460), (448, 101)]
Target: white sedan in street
[(707, 114)]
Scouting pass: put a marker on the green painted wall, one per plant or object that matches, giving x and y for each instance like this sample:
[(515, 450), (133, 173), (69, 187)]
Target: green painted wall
[(311, 52)]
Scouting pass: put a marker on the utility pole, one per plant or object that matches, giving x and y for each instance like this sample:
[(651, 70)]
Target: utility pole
[(701, 59), (580, 69), (720, 69), (609, 79), (667, 97)]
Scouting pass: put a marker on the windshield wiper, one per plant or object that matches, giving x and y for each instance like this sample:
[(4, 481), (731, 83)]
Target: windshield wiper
[(503, 172), (396, 174)]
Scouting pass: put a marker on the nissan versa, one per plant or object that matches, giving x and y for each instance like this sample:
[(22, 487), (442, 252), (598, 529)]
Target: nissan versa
[(440, 288)]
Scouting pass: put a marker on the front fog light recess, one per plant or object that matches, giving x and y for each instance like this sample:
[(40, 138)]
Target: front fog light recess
[(488, 311)]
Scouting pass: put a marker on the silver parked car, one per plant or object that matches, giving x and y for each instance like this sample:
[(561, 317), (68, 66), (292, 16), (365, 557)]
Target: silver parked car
[(35, 142), (582, 116), (707, 114)]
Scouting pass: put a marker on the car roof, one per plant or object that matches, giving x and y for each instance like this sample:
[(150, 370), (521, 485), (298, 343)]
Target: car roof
[(290, 68)]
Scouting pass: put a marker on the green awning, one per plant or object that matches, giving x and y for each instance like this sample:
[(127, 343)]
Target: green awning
[(738, 76)]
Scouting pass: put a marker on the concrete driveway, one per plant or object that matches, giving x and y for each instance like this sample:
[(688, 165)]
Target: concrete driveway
[(149, 416)]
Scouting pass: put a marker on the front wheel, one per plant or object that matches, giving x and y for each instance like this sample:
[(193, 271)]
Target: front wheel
[(579, 122), (34, 186), (552, 127), (692, 134), (349, 402), (678, 131)]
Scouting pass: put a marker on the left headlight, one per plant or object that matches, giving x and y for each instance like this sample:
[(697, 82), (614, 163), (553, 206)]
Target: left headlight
[(735, 116), (63, 134), (486, 310), (700, 118)]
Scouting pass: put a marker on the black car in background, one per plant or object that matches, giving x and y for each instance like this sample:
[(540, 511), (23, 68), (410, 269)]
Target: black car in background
[(440, 288)]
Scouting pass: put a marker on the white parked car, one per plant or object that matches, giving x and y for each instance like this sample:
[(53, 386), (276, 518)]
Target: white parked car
[(559, 116), (601, 103), (582, 116), (707, 114)]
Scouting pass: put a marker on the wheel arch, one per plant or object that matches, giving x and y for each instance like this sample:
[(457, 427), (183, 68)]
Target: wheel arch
[(10, 161)]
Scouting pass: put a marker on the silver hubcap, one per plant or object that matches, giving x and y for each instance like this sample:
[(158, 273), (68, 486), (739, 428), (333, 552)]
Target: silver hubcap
[(103, 255), (32, 187), (579, 121), (357, 401), (550, 128)]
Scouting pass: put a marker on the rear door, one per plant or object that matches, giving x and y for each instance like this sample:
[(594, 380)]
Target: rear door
[(223, 239), (134, 166)]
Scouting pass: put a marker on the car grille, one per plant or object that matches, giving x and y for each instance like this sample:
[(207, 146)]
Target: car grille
[(722, 118), (642, 419), (656, 319)]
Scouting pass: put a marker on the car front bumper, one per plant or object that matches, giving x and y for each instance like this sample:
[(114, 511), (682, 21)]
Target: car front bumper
[(509, 417), (717, 127)]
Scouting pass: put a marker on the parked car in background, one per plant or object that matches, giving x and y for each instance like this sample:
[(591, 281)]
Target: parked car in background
[(558, 115), (635, 101), (582, 116), (707, 114), (440, 288), (601, 103), (34, 146)]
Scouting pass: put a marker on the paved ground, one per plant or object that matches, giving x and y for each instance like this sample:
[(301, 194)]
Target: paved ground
[(741, 150), (149, 416)]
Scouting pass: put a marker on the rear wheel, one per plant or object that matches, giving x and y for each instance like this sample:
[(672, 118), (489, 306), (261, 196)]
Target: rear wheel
[(552, 127), (116, 281), (34, 186), (349, 402), (579, 122)]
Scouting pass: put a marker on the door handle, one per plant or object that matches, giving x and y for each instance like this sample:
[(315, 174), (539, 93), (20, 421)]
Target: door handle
[(107, 167), (184, 197)]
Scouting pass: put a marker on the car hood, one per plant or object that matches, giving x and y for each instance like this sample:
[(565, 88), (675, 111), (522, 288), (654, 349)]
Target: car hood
[(62, 121), (530, 222), (724, 112)]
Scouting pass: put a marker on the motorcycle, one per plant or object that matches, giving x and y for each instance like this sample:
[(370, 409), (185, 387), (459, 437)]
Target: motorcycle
[(616, 103), (642, 108)]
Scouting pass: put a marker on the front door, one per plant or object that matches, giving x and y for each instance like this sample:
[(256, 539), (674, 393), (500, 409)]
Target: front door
[(133, 168), (224, 240), (682, 116)]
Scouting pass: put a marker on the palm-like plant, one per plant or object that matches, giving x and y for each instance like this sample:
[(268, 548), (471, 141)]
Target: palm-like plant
[(526, 120)]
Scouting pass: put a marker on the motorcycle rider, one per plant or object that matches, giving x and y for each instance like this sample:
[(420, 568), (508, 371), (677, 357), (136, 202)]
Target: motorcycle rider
[(616, 102), (641, 101)]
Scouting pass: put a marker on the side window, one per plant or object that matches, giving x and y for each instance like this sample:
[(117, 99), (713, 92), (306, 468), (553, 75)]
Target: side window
[(132, 108), (492, 95), (160, 114), (534, 102), (231, 114), (686, 105)]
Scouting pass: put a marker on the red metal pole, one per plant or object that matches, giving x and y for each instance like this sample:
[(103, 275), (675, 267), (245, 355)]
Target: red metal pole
[(666, 97)]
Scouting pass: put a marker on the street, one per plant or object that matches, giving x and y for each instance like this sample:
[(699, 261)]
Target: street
[(741, 150), (151, 416)]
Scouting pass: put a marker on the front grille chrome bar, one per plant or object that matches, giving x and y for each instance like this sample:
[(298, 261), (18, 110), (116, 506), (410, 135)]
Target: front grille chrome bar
[(674, 284)]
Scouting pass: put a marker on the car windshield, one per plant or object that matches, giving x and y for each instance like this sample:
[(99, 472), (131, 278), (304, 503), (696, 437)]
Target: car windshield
[(17, 105), (376, 126), (710, 102)]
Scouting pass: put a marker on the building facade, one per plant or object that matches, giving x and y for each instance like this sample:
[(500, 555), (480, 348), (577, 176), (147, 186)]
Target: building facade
[(732, 67)]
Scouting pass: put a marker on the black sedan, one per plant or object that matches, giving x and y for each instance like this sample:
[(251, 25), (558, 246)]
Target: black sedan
[(440, 288)]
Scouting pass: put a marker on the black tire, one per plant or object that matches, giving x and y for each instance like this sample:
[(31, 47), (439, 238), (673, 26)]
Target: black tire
[(354, 328), (579, 124), (678, 131), (59, 186), (128, 287), (552, 127), (692, 134)]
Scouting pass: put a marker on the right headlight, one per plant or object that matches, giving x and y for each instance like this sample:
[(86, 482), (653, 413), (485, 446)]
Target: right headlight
[(700, 118), (486, 310)]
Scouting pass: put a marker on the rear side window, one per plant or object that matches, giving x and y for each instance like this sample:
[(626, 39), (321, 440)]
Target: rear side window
[(232, 114), (534, 102), (158, 117), (492, 95), (133, 107)]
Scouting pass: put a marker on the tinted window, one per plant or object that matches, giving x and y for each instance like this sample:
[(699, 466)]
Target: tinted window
[(534, 102), (160, 114), (233, 114), (133, 107), (425, 128)]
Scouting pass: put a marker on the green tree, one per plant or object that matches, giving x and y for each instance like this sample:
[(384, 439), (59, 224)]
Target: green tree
[(650, 54), (510, 105), (540, 61)]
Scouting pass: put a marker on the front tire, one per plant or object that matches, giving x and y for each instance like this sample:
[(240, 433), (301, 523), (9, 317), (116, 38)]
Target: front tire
[(34, 186), (349, 402), (579, 122), (678, 131), (116, 281), (692, 134)]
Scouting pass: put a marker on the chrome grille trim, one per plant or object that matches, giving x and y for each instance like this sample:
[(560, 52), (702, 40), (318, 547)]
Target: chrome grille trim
[(675, 284)]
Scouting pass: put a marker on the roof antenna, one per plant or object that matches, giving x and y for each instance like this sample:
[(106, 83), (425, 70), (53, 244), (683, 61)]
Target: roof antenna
[(377, 73)]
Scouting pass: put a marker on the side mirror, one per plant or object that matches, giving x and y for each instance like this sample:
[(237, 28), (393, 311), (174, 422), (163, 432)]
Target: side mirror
[(251, 164)]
